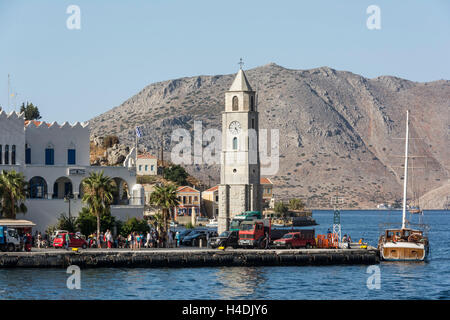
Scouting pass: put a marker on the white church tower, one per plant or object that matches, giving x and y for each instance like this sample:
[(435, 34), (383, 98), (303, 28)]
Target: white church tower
[(239, 188)]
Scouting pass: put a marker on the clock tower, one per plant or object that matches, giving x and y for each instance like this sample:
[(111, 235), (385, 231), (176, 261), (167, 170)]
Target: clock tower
[(239, 188)]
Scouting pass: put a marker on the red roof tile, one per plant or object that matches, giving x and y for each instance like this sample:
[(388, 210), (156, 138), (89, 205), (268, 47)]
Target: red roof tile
[(265, 181), (36, 123), (146, 156), (186, 189), (212, 189)]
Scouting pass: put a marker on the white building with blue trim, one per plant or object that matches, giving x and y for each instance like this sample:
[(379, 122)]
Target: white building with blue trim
[(55, 159)]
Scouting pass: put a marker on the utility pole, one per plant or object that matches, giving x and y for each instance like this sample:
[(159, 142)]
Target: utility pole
[(162, 150)]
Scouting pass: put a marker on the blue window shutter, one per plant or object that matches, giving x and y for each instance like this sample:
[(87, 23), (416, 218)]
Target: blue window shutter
[(49, 157), (27, 155), (71, 156)]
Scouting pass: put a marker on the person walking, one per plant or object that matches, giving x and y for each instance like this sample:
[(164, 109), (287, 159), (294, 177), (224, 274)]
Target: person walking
[(39, 240), (67, 240), (177, 238), (109, 239), (147, 242)]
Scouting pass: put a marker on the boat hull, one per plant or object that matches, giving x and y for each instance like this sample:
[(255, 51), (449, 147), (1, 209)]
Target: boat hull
[(403, 251)]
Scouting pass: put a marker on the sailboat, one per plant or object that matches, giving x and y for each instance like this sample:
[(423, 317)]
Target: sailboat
[(405, 244)]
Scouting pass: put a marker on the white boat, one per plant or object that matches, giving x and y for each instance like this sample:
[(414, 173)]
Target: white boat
[(404, 244)]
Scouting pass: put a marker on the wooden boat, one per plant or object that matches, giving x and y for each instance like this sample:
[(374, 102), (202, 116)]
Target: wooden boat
[(404, 244)]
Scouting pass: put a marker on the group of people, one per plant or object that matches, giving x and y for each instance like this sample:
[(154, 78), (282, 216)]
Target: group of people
[(135, 240), (152, 239)]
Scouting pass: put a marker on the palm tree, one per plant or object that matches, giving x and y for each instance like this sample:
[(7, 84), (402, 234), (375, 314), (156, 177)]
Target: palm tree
[(166, 198), (98, 194), (13, 190)]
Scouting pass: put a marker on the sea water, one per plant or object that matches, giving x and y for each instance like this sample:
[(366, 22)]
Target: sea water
[(424, 280)]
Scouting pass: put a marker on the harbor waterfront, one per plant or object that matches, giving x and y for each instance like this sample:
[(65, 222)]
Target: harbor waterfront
[(398, 280), (187, 258)]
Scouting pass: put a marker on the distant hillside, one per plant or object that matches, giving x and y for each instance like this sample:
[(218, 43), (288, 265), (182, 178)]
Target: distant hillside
[(338, 130)]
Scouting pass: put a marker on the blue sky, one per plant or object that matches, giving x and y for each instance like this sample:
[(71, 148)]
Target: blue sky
[(123, 46)]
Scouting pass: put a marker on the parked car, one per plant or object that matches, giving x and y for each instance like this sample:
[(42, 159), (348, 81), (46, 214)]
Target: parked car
[(290, 240), (55, 234), (193, 239), (185, 233), (225, 239), (75, 241)]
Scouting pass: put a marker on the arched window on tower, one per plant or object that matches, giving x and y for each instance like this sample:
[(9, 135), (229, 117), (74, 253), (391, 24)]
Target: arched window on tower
[(235, 143), (235, 105), (252, 103)]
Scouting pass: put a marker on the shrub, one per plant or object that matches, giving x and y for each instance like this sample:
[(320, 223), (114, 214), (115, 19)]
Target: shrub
[(296, 204), (281, 208), (146, 179), (132, 225), (110, 140), (176, 174), (86, 222)]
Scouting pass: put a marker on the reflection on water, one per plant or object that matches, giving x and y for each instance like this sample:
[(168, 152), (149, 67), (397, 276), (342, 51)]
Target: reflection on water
[(239, 281)]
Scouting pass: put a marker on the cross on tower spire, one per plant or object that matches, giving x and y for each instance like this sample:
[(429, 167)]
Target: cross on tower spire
[(241, 63)]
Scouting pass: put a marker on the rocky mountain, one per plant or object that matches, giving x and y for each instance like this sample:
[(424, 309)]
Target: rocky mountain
[(340, 133)]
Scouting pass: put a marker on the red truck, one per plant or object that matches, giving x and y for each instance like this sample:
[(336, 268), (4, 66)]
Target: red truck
[(301, 239), (260, 234)]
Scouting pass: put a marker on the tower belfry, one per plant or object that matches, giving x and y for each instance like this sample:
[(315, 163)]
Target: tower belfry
[(239, 188)]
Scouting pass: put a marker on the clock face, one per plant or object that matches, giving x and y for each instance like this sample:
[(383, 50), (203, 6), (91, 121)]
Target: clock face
[(235, 127)]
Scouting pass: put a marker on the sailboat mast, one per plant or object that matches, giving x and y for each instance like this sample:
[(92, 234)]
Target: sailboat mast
[(405, 177)]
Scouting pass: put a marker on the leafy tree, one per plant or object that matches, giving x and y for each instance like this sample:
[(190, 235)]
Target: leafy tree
[(176, 173), (281, 208), (157, 220), (66, 223), (86, 222), (13, 190), (98, 194), (165, 197), (296, 204), (31, 111), (134, 224)]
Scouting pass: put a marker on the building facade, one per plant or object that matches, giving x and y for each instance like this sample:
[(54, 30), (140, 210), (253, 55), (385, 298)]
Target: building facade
[(239, 188), (267, 191), (54, 159), (147, 165), (210, 198), (189, 202)]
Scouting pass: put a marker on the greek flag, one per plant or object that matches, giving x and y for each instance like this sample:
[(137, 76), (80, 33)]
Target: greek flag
[(139, 132)]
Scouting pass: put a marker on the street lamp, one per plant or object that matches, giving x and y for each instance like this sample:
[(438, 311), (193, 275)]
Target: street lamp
[(67, 198)]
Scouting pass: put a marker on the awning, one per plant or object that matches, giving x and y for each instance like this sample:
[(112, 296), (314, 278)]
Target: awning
[(12, 223)]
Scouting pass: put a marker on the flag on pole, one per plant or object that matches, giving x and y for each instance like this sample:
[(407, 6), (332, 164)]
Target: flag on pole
[(139, 132)]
